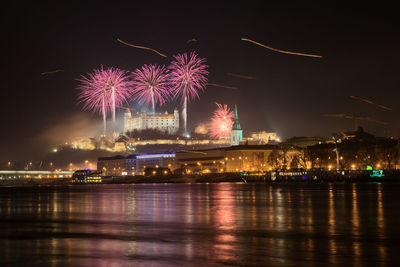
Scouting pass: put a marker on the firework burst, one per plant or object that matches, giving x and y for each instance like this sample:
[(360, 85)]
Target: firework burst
[(221, 122), (102, 90), (150, 85), (188, 76)]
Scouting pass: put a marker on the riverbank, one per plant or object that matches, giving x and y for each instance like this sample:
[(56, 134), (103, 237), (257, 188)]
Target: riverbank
[(124, 180), (210, 178)]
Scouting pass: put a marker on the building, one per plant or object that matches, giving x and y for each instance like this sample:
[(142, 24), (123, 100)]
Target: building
[(130, 163), (241, 158), (86, 177), (263, 137), (134, 164), (236, 133), (305, 141), (168, 123), (112, 166), (197, 161), (165, 160)]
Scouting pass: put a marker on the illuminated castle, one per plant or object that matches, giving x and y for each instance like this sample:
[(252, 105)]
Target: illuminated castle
[(163, 122)]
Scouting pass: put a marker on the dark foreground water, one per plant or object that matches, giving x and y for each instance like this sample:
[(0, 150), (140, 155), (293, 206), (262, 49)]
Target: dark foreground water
[(201, 224)]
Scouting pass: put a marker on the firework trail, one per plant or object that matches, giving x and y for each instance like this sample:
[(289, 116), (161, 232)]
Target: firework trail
[(221, 122), (370, 102), (193, 151), (187, 76), (351, 117), (104, 89), (280, 51), (150, 85), (222, 86), (50, 72), (141, 47), (241, 76)]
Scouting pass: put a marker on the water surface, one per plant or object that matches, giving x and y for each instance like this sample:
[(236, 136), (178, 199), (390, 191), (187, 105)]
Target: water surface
[(200, 224)]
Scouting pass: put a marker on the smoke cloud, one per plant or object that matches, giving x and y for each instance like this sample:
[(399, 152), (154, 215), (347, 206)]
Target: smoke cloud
[(201, 129)]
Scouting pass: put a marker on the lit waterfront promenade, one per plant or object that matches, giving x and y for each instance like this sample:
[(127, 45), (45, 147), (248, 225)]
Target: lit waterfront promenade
[(13, 174)]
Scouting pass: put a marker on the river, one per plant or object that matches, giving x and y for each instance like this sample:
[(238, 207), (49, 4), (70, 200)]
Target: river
[(200, 224)]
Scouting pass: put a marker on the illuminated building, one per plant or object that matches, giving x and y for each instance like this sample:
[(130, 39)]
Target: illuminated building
[(305, 141), (168, 123), (263, 137), (86, 176), (165, 160), (134, 164), (130, 165), (82, 143), (112, 166), (250, 158), (236, 133)]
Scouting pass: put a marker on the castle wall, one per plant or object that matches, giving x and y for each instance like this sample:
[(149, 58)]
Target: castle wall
[(163, 122)]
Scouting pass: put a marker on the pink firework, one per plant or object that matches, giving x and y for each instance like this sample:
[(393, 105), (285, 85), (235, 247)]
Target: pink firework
[(150, 85), (221, 122), (188, 76), (103, 89)]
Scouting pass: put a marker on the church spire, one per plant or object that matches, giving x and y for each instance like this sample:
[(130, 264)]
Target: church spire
[(236, 133), (236, 124)]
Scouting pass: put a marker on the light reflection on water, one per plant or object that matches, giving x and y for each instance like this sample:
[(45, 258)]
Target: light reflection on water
[(195, 224)]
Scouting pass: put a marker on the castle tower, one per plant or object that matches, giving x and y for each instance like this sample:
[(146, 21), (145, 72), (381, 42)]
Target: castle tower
[(236, 133), (176, 118), (127, 116)]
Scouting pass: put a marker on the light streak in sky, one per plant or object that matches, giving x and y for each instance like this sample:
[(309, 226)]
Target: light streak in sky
[(356, 118), (150, 85), (280, 51), (193, 151), (187, 76), (242, 76), (141, 47), (222, 86), (51, 72), (370, 102)]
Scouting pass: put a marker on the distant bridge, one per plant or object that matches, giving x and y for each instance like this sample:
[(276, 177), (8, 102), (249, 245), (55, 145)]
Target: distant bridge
[(18, 174)]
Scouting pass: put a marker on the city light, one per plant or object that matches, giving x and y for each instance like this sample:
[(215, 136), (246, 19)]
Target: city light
[(114, 153)]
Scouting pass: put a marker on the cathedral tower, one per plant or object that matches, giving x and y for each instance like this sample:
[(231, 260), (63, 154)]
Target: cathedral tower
[(236, 133)]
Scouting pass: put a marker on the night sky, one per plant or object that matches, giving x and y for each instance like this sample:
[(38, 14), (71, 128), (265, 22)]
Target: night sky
[(359, 44)]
